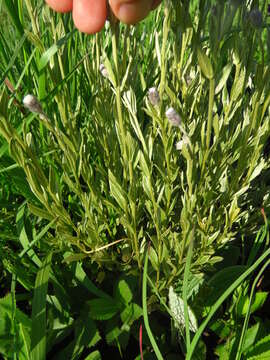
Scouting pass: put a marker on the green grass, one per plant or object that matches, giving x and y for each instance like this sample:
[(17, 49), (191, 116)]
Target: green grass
[(96, 177)]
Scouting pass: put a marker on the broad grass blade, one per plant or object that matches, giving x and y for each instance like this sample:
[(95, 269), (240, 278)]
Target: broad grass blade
[(38, 333), (83, 279)]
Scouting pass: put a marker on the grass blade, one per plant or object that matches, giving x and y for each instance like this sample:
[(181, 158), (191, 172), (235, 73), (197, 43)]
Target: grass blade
[(13, 309), (145, 315), (185, 290), (245, 326), (38, 333), (28, 246), (83, 279)]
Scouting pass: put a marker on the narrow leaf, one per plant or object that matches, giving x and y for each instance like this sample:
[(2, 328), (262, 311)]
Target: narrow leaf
[(205, 64)]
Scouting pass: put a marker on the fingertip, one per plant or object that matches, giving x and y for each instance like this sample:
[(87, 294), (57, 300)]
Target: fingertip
[(131, 11), (89, 16), (60, 6)]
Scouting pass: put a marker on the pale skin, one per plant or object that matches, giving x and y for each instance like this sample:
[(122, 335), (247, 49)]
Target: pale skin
[(89, 16)]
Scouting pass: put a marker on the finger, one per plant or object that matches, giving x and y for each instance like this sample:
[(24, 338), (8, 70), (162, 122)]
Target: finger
[(89, 15), (131, 11), (61, 6)]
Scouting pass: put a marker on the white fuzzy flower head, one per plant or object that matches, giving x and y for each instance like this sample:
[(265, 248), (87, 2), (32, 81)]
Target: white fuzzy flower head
[(103, 71), (173, 117), (153, 96), (185, 141), (179, 145), (32, 104)]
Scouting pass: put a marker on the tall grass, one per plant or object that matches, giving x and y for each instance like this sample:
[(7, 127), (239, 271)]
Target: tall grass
[(105, 168)]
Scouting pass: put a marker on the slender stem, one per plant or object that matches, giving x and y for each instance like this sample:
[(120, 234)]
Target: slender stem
[(13, 309), (163, 51), (185, 289), (209, 123), (122, 134), (210, 113), (32, 18), (128, 169)]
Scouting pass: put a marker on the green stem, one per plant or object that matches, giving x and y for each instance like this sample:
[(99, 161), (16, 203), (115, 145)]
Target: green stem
[(122, 135), (185, 289), (163, 52), (128, 169), (32, 18), (209, 122), (210, 113)]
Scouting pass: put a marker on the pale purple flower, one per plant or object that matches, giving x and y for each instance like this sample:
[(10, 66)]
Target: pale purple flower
[(103, 71), (153, 96), (173, 117), (32, 104)]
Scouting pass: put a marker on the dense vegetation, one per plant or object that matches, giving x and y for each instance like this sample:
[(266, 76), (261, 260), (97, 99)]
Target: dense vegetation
[(134, 172)]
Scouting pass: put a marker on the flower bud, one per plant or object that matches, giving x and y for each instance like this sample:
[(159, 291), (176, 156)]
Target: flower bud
[(173, 117), (29, 139), (185, 141), (153, 96), (255, 17), (103, 71), (32, 104)]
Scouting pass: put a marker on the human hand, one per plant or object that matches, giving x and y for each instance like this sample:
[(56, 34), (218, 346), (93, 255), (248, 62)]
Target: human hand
[(90, 15)]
